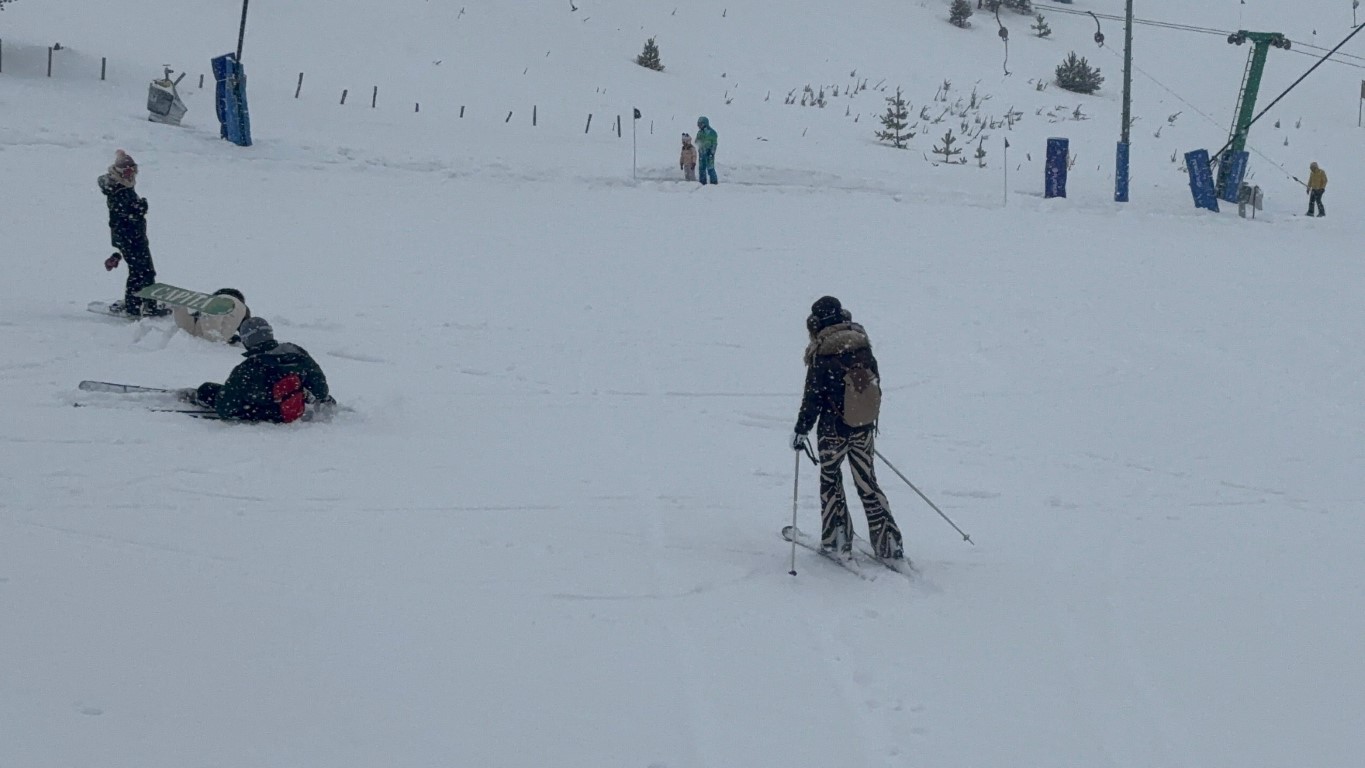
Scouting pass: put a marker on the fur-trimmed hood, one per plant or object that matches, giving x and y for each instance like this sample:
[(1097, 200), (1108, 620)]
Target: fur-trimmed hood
[(836, 339)]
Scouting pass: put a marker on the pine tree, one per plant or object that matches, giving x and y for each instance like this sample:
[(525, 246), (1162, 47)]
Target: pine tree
[(1040, 27), (895, 121), (649, 57), (957, 15), (948, 150), (981, 153), (1076, 74), (1022, 6)]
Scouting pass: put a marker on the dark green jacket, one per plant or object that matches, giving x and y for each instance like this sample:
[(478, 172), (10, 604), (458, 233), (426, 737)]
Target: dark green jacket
[(249, 392)]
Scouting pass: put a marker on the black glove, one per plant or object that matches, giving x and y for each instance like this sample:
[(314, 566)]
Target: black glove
[(798, 442)]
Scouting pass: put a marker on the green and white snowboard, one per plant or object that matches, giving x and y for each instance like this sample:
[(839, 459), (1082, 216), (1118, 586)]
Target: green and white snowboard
[(208, 304)]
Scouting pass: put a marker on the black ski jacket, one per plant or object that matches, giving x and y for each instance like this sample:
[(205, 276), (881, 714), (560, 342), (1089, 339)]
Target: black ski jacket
[(249, 392), (127, 215), (830, 354)]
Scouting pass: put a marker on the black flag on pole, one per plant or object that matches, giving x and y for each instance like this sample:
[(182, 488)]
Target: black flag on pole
[(637, 113)]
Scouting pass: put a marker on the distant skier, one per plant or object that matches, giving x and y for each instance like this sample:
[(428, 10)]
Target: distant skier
[(274, 384), (1317, 184), (687, 162), (128, 234), (843, 392), (215, 327), (706, 151)]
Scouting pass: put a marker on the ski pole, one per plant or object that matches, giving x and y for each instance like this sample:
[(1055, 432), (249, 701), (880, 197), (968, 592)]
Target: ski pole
[(796, 484), (965, 537)]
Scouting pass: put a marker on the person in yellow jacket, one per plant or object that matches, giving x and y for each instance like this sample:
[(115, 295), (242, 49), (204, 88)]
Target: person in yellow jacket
[(1317, 184)]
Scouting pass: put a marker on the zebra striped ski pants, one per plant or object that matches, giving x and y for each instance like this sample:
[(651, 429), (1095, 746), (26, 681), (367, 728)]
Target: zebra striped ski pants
[(836, 527)]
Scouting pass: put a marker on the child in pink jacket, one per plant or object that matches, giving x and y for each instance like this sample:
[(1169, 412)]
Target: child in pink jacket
[(688, 161)]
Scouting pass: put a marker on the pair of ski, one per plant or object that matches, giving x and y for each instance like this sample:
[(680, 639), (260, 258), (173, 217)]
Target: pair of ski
[(852, 562), (184, 396)]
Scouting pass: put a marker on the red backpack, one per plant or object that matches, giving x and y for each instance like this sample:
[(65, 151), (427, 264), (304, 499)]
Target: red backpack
[(288, 394)]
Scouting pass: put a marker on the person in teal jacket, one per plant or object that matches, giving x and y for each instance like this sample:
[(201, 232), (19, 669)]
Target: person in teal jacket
[(706, 151)]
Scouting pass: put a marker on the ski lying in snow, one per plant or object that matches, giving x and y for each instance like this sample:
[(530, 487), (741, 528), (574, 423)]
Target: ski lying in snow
[(158, 395), (802, 540), (196, 413), (122, 389)]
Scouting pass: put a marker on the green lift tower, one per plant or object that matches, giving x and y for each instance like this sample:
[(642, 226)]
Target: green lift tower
[(1232, 160)]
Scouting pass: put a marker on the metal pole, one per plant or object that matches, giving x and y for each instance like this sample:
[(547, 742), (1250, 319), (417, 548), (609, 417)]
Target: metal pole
[(965, 537), (632, 148), (796, 484), (241, 31), (1121, 172), (1006, 195)]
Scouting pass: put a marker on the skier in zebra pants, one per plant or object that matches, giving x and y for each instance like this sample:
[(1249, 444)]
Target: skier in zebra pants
[(843, 393)]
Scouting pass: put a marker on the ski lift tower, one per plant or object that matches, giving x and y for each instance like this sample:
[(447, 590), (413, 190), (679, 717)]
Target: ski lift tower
[(1232, 161)]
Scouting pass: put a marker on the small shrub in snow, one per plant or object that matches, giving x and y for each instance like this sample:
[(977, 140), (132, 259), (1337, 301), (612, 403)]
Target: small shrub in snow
[(959, 12), (1040, 26), (1075, 74), (948, 150), (895, 122), (649, 57)]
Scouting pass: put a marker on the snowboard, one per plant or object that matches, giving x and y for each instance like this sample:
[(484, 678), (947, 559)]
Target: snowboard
[(208, 304), (115, 309)]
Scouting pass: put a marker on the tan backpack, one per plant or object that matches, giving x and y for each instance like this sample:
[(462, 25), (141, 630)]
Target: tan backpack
[(862, 396)]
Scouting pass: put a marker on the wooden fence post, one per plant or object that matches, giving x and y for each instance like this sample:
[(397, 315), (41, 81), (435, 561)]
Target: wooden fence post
[(343, 96), (417, 106), (104, 63), (297, 89), (201, 82), (589, 125), (533, 115), (461, 111), (618, 126), (2, 55), (49, 61), (374, 99), (509, 118)]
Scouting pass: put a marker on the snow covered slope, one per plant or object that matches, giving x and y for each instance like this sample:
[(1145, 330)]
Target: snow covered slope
[(548, 534)]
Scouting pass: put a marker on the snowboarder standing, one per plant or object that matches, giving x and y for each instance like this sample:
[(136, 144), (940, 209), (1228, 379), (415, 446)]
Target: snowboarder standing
[(706, 151), (687, 162), (128, 235), (274, 384), (1317, 184), (843, 392)]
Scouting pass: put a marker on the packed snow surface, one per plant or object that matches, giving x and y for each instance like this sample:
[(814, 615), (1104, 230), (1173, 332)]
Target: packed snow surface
[(547, 534)]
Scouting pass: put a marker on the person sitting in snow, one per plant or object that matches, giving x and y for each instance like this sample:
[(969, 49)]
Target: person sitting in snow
[(688, 161), (215, 327), (274, 384), (128, 234)]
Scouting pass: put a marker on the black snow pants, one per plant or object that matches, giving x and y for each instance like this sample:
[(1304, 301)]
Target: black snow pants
[(836, 527), (1315, 198), (141, 274)]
